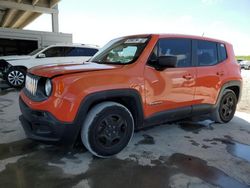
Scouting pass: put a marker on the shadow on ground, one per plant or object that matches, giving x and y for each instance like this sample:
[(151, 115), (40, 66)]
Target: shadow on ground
[(5, 88)]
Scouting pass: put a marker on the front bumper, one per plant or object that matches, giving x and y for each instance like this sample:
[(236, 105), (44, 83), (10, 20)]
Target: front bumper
[(4, 66), (2, 73), (42, 126)]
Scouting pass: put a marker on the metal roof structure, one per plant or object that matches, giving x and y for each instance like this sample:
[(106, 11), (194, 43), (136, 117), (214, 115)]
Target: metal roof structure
[(17, 14)]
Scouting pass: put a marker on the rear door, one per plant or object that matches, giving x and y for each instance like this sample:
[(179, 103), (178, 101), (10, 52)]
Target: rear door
[(210, 58), (170, 88)]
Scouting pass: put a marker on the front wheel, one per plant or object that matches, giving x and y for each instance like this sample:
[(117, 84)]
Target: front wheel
[(224, 112), (15, 77), (107, 129)]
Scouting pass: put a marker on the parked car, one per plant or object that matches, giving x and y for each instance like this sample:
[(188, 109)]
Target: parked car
[(131, 83), (13, 68), (239, 61), (245, 65)]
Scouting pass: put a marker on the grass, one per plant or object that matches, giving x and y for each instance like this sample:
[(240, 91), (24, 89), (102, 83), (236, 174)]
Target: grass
[(243, 57)]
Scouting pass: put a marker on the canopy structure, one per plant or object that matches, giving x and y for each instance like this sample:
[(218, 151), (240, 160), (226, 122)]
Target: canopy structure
[(17, 14)]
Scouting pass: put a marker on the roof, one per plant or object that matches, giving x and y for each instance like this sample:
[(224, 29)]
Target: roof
[(171, 35), (76, 45), (19, 13), (190, 37)]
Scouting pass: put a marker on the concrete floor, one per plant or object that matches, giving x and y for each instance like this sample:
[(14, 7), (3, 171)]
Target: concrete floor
[(184, 154)]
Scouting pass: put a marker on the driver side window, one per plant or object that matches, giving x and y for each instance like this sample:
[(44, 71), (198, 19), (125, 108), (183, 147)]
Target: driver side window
[(181, 48), (54, 52)]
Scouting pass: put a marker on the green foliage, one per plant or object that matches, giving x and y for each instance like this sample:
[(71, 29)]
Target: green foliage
[(243, 57)]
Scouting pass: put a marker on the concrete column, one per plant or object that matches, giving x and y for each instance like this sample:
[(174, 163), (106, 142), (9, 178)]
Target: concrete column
[(55, 23)]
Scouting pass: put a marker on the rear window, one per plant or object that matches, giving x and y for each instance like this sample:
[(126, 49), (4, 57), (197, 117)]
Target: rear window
[(222, 52), (207, 53)]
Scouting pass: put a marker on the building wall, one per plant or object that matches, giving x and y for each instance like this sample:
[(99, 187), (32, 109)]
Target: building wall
[(43, 38)]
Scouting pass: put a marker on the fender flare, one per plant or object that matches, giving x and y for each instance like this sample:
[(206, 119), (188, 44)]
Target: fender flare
[(227, 85), (116, 95)]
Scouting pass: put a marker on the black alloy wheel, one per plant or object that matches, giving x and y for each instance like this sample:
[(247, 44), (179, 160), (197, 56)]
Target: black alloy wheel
[(111, 131), (228, 106), (107, 129)]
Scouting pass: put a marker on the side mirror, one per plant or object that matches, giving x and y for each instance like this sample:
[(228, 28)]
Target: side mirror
[(41, 55), (167, 61)]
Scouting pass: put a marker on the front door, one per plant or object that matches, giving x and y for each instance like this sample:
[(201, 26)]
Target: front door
[(53, 55), (171, 88)]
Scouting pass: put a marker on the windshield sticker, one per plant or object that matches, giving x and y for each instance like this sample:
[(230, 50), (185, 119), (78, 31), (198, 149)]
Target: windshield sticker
[(136, 40)]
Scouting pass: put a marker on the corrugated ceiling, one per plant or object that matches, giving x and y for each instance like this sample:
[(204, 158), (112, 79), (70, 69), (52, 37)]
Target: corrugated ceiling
[(19, 13)]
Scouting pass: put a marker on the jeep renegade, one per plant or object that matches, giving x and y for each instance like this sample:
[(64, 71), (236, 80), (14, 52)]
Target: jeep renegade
[(131, 83)]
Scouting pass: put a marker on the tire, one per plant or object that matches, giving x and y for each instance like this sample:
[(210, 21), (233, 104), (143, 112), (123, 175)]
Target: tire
[(225, 111), (107, 129), (15, 77)]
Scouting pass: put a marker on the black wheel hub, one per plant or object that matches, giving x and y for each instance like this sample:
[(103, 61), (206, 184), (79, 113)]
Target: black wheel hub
[(227, 107), (111, 131)]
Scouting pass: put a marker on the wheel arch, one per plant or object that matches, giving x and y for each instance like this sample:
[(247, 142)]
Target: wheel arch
[(236, 90), (130, 98), (234, 85), (19, 67)]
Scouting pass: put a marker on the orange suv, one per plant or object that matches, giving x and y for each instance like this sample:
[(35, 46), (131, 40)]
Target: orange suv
[(132, 82)]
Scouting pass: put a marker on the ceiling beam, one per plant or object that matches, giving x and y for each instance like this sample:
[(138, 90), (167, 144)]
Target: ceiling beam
[(29, 20), (34, 2), (26, 7), (18, 19), (2, 13), (7, 17), (53, 3)]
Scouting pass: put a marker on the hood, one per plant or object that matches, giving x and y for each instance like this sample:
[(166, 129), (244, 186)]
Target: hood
[(54, 70), (15, 57)]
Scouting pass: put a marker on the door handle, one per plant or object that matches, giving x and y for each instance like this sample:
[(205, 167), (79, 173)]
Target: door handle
[(187, 77), (220, 73)]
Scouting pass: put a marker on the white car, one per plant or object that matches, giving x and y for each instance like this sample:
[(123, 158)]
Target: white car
[(13, 68), (245, 65)]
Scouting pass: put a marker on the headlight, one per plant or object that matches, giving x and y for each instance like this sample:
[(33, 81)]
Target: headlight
[(48, 87)]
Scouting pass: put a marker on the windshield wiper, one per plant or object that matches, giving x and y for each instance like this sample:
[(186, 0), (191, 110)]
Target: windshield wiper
[(112, 63), (95, 61)]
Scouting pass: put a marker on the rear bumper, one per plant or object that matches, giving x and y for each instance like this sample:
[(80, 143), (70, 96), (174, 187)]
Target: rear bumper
[(42, 126), (246, 66)]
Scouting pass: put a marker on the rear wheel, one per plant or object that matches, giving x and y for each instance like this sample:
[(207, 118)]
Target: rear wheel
[(225, 111), (107, 129), (15, 77)]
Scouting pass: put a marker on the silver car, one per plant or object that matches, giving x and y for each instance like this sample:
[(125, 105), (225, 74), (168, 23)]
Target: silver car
[(245, 65)]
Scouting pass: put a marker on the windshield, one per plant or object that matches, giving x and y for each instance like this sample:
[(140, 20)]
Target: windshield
[(36, 51), (121, 51)]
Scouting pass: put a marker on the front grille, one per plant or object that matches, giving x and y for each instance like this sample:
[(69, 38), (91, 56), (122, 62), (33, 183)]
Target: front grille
[(31, 84)]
